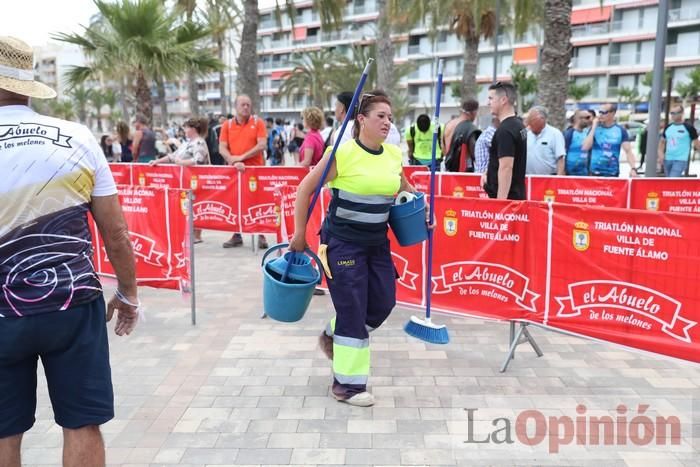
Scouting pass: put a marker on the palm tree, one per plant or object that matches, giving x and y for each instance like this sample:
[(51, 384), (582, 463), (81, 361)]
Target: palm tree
[(187, 7), (110, 100), (97, 100), (308, 76), (578, 91), (346, 69), (689, 91), (526, 84), (145, 40), (221, 16), (629, 95), (554, 60), (247, 81), (80, 96)]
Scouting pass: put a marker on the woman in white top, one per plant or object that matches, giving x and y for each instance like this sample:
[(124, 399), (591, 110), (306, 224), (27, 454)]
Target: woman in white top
[(194, 151)]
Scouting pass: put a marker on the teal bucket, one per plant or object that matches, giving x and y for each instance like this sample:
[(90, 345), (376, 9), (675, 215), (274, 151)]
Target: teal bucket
[(287, 300), (407, 220)]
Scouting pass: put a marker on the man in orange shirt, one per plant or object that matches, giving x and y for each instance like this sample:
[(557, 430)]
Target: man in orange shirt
[(242, 142)]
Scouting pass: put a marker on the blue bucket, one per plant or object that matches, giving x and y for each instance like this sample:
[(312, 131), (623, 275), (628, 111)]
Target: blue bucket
[(288, 300), (407, 220)]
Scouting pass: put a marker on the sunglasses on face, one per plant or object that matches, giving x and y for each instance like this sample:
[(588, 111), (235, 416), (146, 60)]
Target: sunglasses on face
[(604, 112), (675, 113)]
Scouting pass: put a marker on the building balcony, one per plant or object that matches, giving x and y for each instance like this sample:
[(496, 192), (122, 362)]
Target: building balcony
[(673, 51), (578, 62), (590, 29), (622, 59), (684, 14)]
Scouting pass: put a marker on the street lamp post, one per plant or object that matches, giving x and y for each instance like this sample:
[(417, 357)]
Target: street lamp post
[(657, 89)]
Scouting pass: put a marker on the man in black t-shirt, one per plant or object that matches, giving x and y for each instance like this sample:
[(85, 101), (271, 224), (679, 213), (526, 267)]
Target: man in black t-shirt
[(505, 176)]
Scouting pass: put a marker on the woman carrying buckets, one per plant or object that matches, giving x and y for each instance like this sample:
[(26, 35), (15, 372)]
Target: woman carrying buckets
[(365, 177)]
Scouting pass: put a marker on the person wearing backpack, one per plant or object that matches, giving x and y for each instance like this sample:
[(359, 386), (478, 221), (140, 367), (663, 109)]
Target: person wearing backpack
[(460, 138), (419, 138), (677, 141)]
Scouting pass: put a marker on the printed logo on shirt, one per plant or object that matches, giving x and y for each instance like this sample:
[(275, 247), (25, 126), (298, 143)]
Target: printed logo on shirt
[(31, 134), (346, 262)]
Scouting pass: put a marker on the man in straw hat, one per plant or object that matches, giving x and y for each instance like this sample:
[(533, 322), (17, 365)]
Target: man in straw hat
[(52, 305)]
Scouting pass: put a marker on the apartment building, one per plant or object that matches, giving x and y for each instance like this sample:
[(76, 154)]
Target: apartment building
[(613, 47)]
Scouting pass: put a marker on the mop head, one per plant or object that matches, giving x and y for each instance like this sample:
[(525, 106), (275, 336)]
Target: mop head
[(427, 331)]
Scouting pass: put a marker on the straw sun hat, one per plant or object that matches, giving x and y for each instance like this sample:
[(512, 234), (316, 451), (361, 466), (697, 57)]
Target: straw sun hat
[(17, 72)]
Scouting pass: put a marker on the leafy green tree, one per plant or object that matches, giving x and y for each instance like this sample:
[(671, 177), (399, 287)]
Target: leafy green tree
[(80, 96), (579, 91), (526, 84), (143, 39), (554, 60), (97, 101), (308, 77)]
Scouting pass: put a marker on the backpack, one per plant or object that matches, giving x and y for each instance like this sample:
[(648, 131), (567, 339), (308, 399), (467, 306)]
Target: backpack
[(277, 145), (460, 158)]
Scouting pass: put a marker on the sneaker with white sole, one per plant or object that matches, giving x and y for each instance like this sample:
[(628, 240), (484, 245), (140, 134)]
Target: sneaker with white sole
[(363, 399)]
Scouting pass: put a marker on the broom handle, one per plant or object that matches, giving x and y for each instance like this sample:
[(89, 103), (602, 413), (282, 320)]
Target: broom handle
[(433, 163), (348, 116)]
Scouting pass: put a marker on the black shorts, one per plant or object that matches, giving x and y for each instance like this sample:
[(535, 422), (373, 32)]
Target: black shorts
[(74, 352)]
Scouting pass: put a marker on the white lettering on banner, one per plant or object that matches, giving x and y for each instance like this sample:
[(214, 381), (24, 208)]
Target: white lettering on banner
[(214, 209), (407, 278), (584, 192), (34, 130), (494, 236), (625, 296), (638, 229), (261, 212), (497, 276), (145, 248)]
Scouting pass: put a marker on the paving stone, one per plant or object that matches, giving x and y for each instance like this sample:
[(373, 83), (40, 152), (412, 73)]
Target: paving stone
[(238, 390)]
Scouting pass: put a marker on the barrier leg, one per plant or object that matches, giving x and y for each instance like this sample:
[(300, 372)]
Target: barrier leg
[(521, 336), (193, 302)]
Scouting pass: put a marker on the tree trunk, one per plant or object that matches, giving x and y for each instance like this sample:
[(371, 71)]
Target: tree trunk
[(144, 105), (99, 120), (470, 55), (247, 81), (160, 85), (385, 50), (193, 93), (123, 90), (222, 77), (554, 62)]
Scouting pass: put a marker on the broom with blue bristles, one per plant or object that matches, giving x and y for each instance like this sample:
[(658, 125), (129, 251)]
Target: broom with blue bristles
[(425, 329)]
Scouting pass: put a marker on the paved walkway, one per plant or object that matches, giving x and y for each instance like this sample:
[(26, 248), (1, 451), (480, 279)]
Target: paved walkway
[(238, 390)]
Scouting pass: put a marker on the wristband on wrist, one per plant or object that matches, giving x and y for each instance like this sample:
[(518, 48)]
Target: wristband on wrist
[(120, 296)]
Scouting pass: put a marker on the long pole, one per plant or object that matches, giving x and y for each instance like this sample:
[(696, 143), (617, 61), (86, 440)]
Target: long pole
[(657, 89), (495, 41), (193, 300), (433, 168)]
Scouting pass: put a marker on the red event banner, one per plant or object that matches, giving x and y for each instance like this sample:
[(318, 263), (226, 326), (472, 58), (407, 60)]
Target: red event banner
[(628, 277), (595, 191), (215, 197), (162, 176), (259, 210), (158, 228), (121, 173), (680, 195), (408, 261), (485, 262)]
